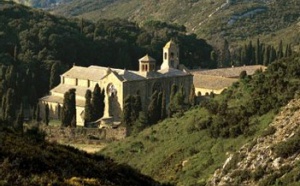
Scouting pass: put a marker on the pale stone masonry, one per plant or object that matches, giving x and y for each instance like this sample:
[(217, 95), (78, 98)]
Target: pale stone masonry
[(119, 83)]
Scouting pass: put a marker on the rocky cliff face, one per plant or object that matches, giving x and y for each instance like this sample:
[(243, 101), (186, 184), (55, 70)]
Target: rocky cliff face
[(261, 162)]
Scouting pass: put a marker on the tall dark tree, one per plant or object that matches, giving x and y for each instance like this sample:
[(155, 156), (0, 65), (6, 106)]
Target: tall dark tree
[(192, 96), (280, 50), (267, 55), (163, 106), (126, 117), (38, 118), (68, 114), (3, 107), (159, 104), (136, 103), (11, 77), (153, 110), (88, 109), (258, 52), (20, 120), (46, 119), (97, 102), (10, 107), (54, 75), (102, 103)]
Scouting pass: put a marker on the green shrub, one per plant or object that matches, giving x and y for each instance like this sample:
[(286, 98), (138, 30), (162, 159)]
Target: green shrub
[(288, 147), (269, 131)]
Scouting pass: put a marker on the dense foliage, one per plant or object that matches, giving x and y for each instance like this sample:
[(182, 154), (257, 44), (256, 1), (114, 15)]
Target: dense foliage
[(35, 47), (188, 149), (29, 160)]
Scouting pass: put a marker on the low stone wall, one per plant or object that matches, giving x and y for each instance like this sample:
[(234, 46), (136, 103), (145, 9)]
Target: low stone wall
[(84, 135)]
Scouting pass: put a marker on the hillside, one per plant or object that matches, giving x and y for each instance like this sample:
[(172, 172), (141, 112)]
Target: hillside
[(234, 20), (270, 159), (29, 160), (187, 149), (37, 47)]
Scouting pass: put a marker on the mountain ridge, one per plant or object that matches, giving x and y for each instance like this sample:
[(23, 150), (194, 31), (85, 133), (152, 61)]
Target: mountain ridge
[(228, 19)]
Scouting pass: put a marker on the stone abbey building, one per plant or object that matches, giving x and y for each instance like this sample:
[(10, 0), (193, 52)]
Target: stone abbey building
[(119, 83)]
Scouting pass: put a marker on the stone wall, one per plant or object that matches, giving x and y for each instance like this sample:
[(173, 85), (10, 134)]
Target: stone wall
[(83, 135)]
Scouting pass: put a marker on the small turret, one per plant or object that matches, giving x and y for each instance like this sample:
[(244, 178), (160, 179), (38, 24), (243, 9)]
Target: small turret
[(147, 64)]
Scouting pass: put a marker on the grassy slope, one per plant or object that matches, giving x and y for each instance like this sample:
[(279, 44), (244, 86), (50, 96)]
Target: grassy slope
[(179, 150), (160, 151), (279, 15), (28, 161)]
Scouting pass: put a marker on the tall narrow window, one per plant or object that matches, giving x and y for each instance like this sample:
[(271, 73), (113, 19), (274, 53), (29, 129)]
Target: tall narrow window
[(166, 55)]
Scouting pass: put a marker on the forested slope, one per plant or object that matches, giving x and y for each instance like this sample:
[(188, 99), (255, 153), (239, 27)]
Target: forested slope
[(36, 47), (187, 149)]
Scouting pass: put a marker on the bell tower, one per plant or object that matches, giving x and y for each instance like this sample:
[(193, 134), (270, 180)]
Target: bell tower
[(170, 56)]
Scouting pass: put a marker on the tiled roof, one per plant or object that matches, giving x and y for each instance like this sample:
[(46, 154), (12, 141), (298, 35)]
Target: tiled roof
[(232, 72), (62, 88), (212, 82), (96, 73), (56, 99), (147, 58)]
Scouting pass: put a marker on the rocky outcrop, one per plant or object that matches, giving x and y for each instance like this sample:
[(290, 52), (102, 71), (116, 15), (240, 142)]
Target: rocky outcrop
[(256, 163)]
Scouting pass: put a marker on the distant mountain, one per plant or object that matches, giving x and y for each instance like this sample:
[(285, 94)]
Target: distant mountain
[(231, 19), (42, 3)]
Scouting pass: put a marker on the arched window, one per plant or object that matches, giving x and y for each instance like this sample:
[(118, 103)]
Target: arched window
[(172, 55), (166, 55)]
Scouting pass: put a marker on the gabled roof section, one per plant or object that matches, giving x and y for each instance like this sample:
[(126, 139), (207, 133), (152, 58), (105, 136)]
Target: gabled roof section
[(85, 73), (147, 58), (96, 73), (62, 88)]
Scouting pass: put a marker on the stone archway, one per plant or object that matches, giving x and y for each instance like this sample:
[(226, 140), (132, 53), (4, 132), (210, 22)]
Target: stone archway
[(112, 105)]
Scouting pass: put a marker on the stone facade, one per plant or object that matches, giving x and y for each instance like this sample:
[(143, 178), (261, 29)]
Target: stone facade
[(119, 83)]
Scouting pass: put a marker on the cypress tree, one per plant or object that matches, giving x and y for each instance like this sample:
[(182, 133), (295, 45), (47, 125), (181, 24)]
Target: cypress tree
[(54, 75), (192, 96), (126, 117), (136, 105), (65, 112), (38, 119), (15, 53), (273, 56), (3, 107), (10, 106), (258, 52), (280, 50), (267, 55), (11, 77), (97, 101), (153, 109), (102, 103), (88, 111), (20, 120), (68, 114), (159, 104), (73, 107), (163, 106), (46, 119)]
